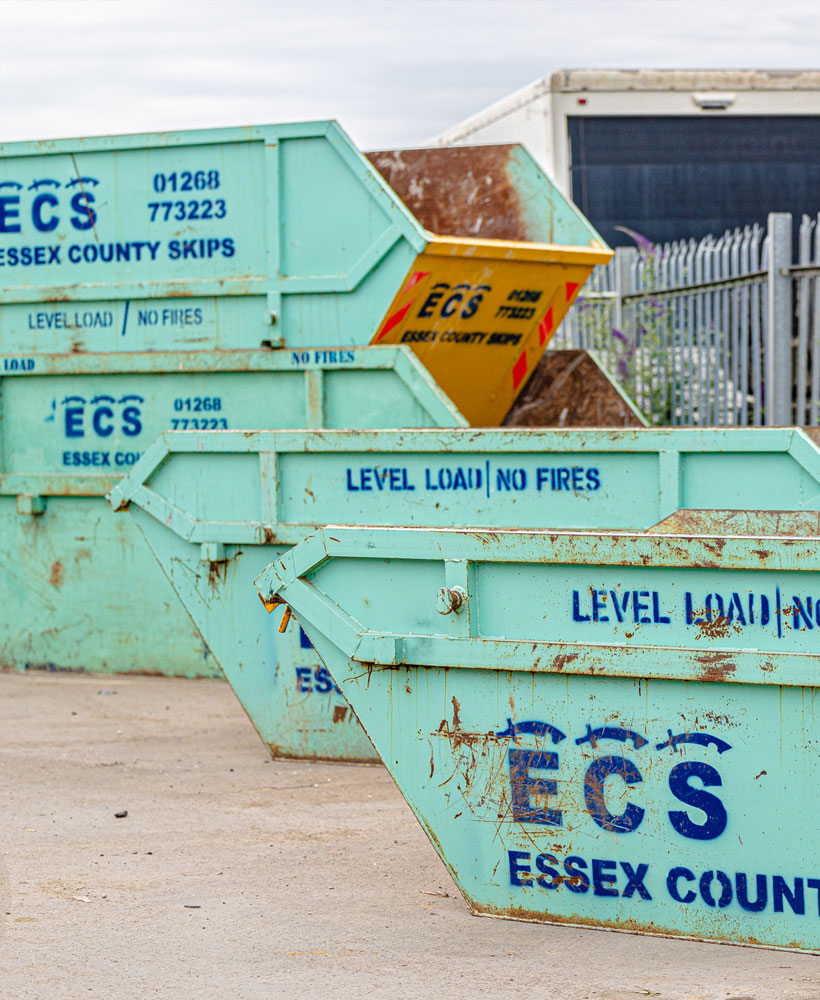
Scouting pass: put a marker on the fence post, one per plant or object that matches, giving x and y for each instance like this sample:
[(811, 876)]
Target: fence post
[(624, 313), (778, 344)]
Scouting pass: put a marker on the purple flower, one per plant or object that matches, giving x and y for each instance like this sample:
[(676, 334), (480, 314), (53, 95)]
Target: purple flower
[(643, 243)]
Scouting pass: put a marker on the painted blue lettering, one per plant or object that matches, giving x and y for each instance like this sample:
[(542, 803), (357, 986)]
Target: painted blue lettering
[(711, 805), (131, 422), (690, 613), (576, 880), (524, 786), (721, 610), (598, 603), (74, 422), (453, 302), (635, 880), (81, 204), (100, 414), (639, 607), (9, 211), (433, 299), (576, 608), (736, 609), (742, 890), (705, 887), (619, 607), (40, 224), (601, 879), (795, 898), (323, 681), (597, 773), (672, 885), (657, 617), (802, 609), (517, 868), (549, 879)]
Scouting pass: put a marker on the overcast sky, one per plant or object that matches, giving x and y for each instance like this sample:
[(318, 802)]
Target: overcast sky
[(393, 72)]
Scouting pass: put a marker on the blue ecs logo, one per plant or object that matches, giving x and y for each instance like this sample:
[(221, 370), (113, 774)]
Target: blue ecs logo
[(102, 415), (525, 787), (45, 208)]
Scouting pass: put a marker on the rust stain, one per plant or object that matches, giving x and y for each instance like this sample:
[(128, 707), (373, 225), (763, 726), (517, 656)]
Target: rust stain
[(559, 662), (456, 734), (718, 627), (340, 713), (456, 719), (279, 753), (622, 926), (217, 570), (715, 667), (741, 522), (57, 574), (459, 190), (716, 719)]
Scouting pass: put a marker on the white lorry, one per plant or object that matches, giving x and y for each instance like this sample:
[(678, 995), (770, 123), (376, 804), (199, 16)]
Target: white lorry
[(669, 153)]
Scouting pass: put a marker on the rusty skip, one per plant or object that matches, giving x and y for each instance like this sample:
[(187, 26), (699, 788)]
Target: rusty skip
[(622, 734)]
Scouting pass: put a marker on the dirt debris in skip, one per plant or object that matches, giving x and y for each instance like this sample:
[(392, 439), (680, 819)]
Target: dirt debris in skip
[(569, 389)]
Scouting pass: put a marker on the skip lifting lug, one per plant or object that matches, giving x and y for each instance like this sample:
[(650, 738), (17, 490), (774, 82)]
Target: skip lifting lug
[(450, 599)]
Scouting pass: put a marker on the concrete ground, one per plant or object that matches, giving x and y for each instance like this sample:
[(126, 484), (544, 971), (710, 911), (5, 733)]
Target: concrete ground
[(236, 877)]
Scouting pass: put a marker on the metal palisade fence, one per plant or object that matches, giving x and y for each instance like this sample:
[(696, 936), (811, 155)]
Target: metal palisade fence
[(722, 331)]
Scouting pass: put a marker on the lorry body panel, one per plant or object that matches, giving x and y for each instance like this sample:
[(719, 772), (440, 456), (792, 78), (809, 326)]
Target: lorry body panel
[(664, 152)]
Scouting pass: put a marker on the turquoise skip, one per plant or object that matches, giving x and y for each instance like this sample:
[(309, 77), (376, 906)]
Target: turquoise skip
[(608, 729), (216, 507)]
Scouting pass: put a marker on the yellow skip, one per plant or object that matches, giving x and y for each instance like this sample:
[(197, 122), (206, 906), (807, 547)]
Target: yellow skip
[(480, 313)]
